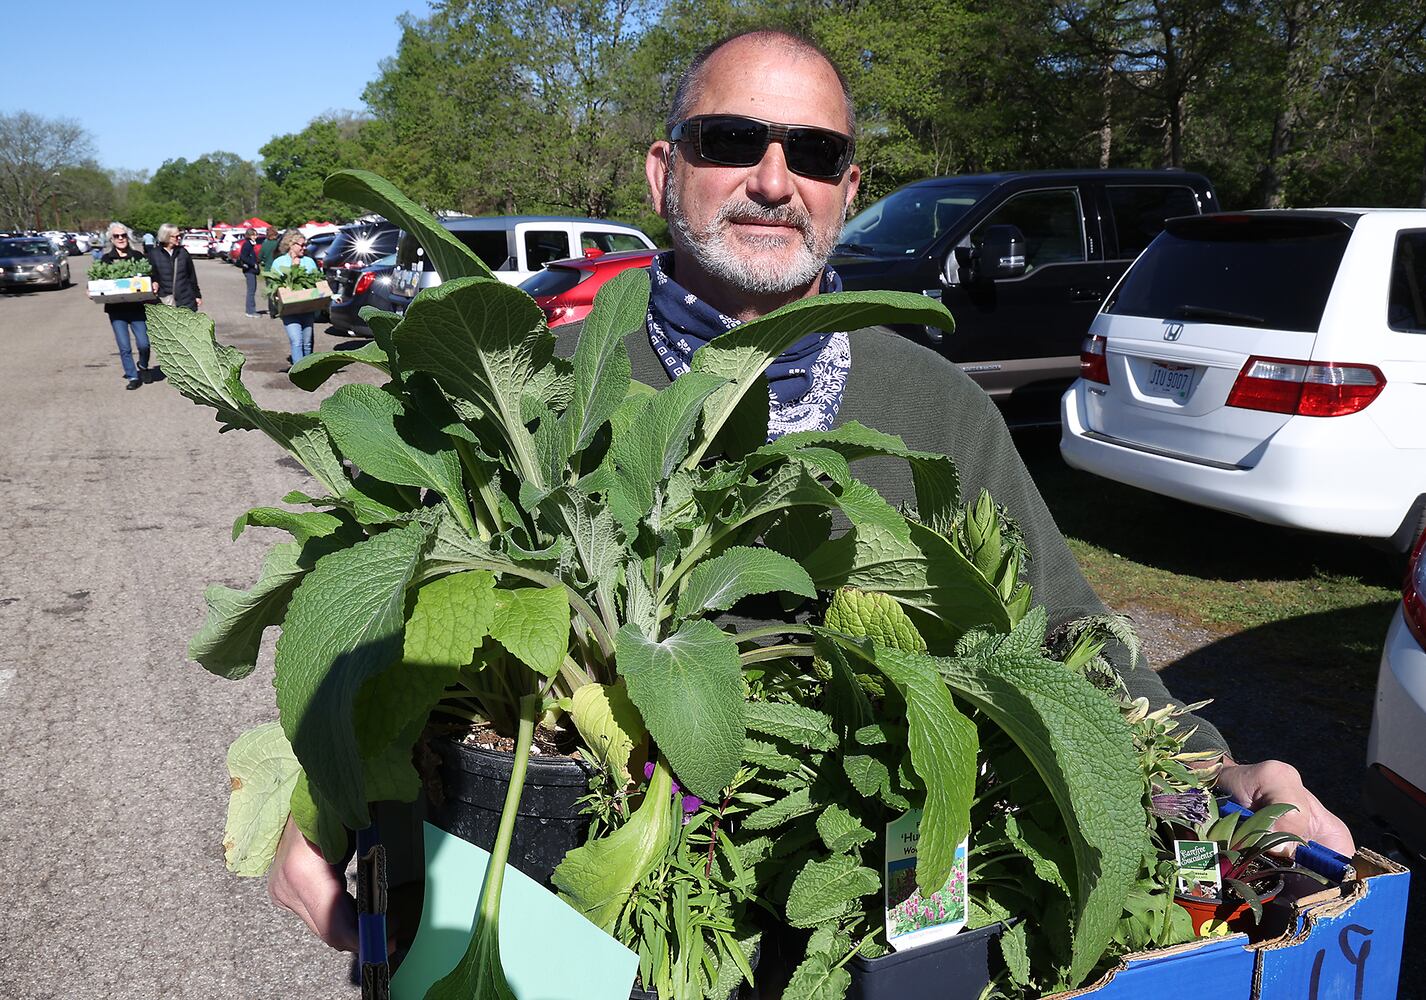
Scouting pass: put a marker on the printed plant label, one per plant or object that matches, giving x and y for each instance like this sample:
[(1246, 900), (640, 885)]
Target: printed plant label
[(911, 919), (1198, 873)]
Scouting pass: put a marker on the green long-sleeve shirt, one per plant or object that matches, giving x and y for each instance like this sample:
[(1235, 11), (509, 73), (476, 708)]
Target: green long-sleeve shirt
[(901, 388)]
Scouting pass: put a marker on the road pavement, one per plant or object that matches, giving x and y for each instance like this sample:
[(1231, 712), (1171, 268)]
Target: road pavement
[(117, 507)]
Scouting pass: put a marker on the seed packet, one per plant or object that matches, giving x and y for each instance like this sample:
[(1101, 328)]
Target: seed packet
[(1198, 873), (911, 919)]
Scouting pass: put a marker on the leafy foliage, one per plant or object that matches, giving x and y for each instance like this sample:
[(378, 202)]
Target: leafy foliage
[(133, 267)]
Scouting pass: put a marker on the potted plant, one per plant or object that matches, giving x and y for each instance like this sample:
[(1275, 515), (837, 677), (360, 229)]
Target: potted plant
[(521, 542), (121, 281)]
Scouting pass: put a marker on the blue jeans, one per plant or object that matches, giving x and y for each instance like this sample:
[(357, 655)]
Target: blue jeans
[(299, 335), (140, 329), (251, 279)]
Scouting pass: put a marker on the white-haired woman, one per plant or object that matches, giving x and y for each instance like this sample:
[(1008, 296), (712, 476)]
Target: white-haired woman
[(173, 271), (131, 333), (293, 249)]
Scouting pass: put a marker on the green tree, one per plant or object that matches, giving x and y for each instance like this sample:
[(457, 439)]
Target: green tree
[(294, 166), (216, 186), (34, 152)]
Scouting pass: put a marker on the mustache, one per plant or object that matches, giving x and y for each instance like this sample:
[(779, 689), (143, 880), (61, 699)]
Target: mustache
[(743, 210)]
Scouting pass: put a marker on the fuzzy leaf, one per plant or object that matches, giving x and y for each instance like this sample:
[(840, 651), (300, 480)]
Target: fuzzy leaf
[(718, 583), (824, 890), (533, 624), (312, 371), (343, 626), (804, 727), (451, 257), (841, 831), (780, 811), (647, 452), (601, 361), (263, 771), (689, 689), (819, 977), (874, 616), (317, 823), (301, 525), (608, 723)]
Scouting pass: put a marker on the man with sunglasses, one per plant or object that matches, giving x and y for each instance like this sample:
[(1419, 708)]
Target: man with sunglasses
[(755, 180)]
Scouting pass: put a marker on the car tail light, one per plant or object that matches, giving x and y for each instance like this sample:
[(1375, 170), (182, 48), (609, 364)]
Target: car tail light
[(364, 282), (1305, 388), (1413, 592), (1093, 365)]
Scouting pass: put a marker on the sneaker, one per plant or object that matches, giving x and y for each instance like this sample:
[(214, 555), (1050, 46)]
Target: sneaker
[(146, 374), (133, 383)]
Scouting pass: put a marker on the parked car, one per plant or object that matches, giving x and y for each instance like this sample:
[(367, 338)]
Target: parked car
[(358, 246), (1021, 259), (1395, 787), (565, 289), (317, 247), (513, 246), (81, 243), (353, 288), (1268, 364), (32, 261), (198, 242)]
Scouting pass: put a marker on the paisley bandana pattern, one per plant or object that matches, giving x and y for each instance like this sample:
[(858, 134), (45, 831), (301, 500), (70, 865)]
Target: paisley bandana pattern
[(805, 383)]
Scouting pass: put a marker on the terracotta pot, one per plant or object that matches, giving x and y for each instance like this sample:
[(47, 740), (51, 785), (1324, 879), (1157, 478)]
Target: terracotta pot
[(1216, 916)]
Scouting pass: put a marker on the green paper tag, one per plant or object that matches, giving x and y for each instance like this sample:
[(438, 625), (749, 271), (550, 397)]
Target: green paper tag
[(911, 919), (1198, 873)]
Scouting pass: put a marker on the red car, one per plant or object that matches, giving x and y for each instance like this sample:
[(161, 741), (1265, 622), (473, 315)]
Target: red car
[(565, 288)]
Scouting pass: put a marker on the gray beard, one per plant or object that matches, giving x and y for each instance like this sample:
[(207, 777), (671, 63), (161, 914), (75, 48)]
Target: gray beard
[(711, 249)]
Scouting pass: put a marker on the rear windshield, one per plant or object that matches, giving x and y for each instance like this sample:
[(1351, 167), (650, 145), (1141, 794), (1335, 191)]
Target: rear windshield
[(489, 245), (1406, 309), (1238, 270), (908, 221), (552, 281), (362, 247), (25, 248)]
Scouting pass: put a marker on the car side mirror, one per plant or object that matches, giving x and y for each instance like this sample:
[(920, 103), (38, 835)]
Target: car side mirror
[(1001, 253)]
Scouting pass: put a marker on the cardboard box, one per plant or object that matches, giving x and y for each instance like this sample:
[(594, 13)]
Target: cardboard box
[(1343, 942), (302, 300), (109, 290)]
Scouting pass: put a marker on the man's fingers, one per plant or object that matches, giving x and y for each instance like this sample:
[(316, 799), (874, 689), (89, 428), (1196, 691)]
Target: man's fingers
[(333, 917)]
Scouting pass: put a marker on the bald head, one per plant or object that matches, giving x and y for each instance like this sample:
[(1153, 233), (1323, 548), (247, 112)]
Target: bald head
[(690, 83)]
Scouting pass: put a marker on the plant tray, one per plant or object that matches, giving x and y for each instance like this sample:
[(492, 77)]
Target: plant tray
[(1344, 941), (303, 300), (110, 290)]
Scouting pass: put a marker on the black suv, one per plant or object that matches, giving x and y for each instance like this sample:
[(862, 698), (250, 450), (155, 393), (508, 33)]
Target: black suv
[(1022, 260)]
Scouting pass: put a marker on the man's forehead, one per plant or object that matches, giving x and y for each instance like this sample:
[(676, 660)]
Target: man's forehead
[(771, 80)]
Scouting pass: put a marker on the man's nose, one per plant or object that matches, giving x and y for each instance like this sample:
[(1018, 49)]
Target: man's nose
[(770, 182)]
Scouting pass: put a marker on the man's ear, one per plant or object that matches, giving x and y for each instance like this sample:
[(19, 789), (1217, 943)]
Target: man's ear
[(656, 167), (854, 181)]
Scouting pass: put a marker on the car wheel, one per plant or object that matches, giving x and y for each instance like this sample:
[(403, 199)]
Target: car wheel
[(65, 283)]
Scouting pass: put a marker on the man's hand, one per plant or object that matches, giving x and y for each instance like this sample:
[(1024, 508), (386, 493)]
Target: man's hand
[(200, 303), (1259, 785), (300, 880)]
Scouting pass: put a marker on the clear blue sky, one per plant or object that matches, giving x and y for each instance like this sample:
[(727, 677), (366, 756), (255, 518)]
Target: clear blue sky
[(177, 60)]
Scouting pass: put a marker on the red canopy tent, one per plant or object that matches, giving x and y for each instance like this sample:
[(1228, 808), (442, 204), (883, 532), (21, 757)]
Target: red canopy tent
[(253, 223)]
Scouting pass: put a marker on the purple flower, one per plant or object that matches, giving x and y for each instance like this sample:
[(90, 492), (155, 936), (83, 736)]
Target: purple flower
[(1185, 808), (691, 803)]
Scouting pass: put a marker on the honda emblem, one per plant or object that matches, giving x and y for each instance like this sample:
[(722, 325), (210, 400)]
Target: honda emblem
[(1172, 331)]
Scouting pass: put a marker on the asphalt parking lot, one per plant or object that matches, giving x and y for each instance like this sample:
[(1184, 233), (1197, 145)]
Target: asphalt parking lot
[(118, 507)]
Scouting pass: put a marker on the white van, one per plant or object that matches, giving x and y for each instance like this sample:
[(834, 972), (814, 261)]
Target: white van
[(1269, 364)]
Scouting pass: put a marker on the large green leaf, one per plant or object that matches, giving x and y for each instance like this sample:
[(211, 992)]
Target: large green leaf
[(601, 361), (925, 573), (1078, 742), (533, 624), (344, 625), (451, 257), (211, 375), (300, 524), (719, 583), (743, 353), (689, 689), (824, 890), (263, 770), (373, 430), (609, 724), (312, 371), (597, 878), (483, 341)]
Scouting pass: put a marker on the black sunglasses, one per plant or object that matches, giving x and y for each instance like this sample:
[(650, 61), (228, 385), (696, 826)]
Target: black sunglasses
[(738, 141)]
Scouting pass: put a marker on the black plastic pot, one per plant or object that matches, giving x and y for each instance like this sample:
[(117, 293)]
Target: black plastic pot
[(957, 968), (469, 792)]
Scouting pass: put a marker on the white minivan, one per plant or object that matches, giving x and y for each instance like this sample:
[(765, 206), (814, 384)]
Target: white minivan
[(514, 247), (1270, 364)]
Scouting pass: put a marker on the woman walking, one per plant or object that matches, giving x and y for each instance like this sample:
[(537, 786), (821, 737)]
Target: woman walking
[(173, 271), (131, 332), (293, 250)]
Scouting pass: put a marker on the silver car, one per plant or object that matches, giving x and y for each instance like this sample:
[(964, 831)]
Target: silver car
[(32, 262)]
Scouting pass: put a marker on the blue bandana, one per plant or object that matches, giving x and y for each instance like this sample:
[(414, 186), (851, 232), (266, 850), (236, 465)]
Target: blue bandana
[(805, 383)]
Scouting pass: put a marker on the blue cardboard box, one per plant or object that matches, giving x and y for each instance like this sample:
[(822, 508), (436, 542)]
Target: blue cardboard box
[(1343, 943)]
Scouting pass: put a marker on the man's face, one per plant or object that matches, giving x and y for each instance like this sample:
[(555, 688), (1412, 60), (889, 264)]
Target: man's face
[(762, 230)]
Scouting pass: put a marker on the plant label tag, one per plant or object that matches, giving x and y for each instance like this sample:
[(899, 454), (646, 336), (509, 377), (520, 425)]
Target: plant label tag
[(1198, 873), (913, 920)]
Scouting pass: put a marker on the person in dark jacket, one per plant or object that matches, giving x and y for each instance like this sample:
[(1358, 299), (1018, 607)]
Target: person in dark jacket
[(248, 261), (174, 272), (131, 331)]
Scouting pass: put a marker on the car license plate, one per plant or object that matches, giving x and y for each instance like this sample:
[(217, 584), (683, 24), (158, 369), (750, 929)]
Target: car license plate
[(1171, 381)]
